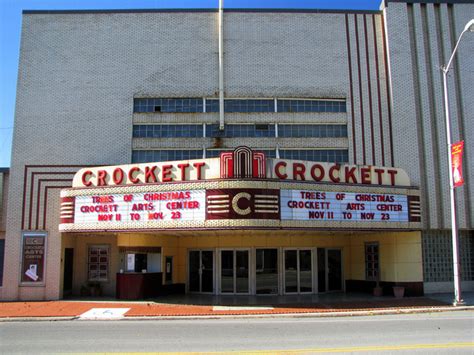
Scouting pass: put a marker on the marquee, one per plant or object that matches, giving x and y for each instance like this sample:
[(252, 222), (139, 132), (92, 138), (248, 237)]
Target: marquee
[(249, 191)]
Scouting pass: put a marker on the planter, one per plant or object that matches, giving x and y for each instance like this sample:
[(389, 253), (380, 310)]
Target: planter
[(378, 291), (95, 289), (398, 291)]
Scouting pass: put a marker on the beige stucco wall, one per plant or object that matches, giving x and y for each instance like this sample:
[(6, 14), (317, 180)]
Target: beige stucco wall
[(81, 243), (400, 256)]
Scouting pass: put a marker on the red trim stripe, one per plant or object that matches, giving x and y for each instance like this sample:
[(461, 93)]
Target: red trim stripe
[(351, 90), (40, 181), (371, 113), (389, 98), (361, 97), (382, 143), (26, 176), (25, 172), (45, 208)]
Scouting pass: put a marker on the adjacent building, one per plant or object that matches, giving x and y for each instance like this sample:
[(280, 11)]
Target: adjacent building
[(305, 154)]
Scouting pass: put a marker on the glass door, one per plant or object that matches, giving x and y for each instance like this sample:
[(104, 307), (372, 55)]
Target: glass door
[(321, 253), (194, 271), (291, 271), (266, 277), (298, 271), (207, 267), (242, 271), (334, 270), (227, 271), (234, 271), (305, 271), (201, 271)]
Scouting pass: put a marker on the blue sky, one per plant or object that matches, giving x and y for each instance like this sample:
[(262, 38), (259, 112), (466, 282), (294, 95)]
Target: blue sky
[(10, 25)]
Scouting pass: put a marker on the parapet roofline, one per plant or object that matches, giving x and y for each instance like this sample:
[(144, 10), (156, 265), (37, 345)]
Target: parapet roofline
[(121, 11)]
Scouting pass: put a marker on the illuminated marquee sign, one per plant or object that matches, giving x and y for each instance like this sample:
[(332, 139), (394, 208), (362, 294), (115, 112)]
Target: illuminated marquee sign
[(141, 207), (343, 206), (198, 207)]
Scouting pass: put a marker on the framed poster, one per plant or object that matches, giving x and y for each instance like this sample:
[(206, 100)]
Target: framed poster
[(33, 258)]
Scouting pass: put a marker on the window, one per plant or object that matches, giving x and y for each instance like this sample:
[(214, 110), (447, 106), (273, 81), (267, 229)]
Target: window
[(98, 263), (183, 105), (167, 131), (241, 105), (311, 131), (214, 153), (148, 156), (168, 105), (321, 155), (311, 106), (241, 130), (372, 271), (136, 262)]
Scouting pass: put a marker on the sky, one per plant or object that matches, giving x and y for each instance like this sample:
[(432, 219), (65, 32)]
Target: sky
[(10, 26)]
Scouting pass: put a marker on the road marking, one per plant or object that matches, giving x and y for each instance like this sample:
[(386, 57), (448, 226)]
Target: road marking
[(321, 350), (104, 313)]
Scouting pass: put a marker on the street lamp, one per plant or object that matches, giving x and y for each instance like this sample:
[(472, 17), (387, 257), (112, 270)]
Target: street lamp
[(456, 266)]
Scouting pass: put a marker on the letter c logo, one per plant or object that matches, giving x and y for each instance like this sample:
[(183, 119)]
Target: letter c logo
[(235, 201)]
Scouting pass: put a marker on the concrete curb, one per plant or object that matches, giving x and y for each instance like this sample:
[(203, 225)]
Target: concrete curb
[(35, 319), (249, 316)]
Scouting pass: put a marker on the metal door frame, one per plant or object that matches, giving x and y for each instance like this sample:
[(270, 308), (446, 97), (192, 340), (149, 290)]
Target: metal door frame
[(343, 288), (278, 266), (200, 271), (298, 285), (219, 269)]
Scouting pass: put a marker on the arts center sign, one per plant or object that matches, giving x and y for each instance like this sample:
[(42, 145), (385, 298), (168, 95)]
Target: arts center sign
[(240, 189)]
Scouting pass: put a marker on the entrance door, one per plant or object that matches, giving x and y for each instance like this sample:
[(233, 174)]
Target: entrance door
[(234, 271), (201, 271), (334, 270), (298, 271), (68, 265), (321, 252), (266, 278)]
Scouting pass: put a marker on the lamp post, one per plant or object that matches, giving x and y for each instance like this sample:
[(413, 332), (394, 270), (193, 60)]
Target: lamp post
[(456, 266)]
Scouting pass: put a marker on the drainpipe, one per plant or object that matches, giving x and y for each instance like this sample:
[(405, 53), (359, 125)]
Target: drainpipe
[(221, 66)]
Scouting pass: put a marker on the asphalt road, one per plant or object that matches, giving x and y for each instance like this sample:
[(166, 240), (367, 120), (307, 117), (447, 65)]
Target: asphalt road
[(447, 332)]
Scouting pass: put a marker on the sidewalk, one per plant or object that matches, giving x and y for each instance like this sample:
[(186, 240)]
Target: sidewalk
[(175, 308)]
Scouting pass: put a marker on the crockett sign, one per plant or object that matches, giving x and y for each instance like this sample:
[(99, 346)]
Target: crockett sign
[(239, 164)]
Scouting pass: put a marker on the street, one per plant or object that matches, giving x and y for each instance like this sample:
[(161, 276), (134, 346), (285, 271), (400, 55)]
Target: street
[(445, 332)]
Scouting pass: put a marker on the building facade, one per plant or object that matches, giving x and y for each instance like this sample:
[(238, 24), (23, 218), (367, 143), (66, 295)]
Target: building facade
[(124, 171)]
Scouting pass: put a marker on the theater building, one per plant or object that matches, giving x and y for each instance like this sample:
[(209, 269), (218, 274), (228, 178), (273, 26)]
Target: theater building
[(252, 152)]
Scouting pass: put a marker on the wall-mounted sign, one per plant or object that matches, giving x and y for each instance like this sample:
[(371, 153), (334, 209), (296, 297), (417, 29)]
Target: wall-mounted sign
[(456, 158), (238, 204), (33, 257), (242, 162), (343, 206)]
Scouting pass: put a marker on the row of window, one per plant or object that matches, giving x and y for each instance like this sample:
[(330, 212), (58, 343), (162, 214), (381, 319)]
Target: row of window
[(240, 130), (187, 105), (168, 131), (241, 105), (321, 155)]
